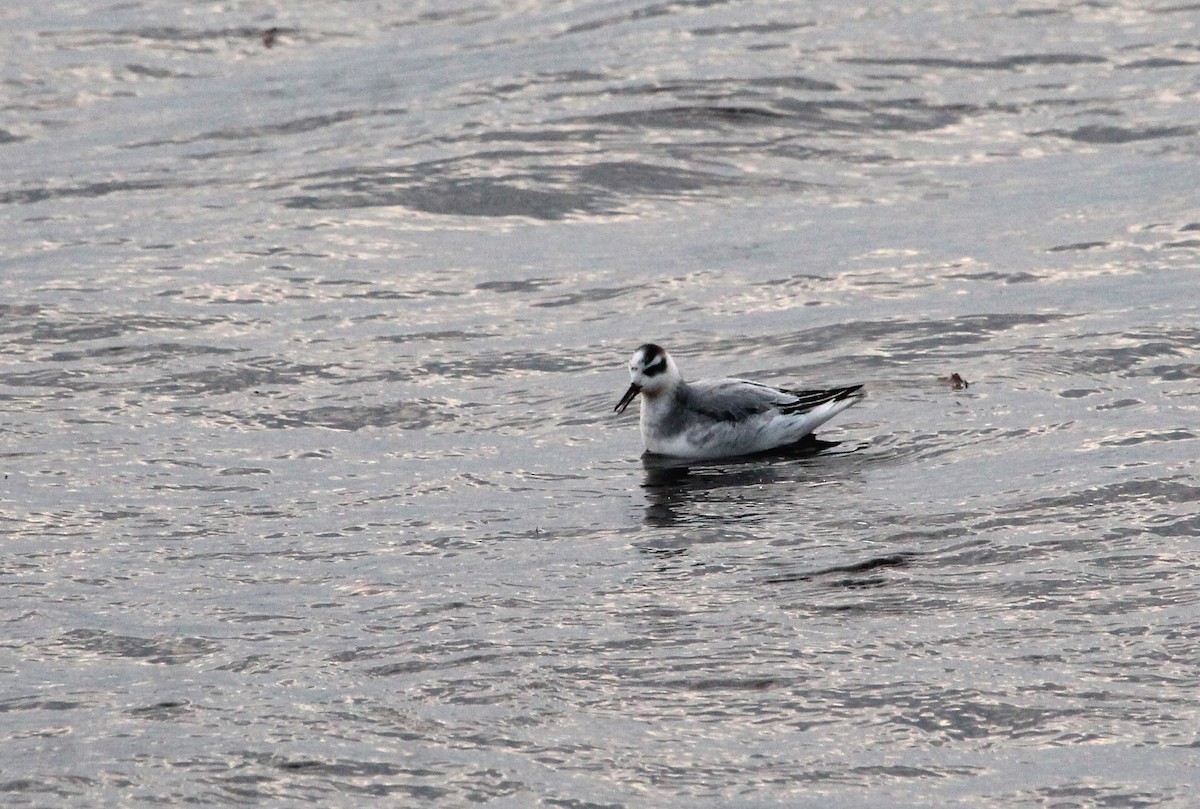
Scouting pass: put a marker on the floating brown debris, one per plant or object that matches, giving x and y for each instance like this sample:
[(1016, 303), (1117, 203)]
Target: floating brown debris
[(269, 36), (956, 381)]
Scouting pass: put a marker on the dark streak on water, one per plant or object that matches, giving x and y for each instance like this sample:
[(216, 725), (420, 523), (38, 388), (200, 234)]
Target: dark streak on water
[(313, 320)]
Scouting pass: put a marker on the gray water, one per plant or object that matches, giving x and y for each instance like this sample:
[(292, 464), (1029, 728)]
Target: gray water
[(312, 489)]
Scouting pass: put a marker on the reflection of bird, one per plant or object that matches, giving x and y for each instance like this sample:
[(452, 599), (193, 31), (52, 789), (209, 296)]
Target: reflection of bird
[(721, 418)]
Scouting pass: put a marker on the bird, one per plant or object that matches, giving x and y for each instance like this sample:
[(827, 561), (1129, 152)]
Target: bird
[(722, 418)]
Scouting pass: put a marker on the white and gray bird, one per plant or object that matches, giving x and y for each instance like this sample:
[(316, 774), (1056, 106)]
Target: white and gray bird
[(722, 418)]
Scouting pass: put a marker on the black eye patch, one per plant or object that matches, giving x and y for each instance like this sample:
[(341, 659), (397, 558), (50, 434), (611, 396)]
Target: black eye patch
[(655, 368)]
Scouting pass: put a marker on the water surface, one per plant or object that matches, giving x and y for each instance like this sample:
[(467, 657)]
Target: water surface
[(314, 318)]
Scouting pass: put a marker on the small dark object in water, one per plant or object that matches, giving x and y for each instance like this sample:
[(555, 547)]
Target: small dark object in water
[(269, 36), (956, 381), (853, 569)]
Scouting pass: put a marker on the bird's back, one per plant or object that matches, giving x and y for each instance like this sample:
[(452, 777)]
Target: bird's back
[(722, 417)]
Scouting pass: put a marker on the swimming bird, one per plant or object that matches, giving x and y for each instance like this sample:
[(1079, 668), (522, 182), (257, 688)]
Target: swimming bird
[(722, 418)]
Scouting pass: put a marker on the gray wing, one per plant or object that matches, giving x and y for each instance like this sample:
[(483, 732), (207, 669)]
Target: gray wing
[(737, 399)]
